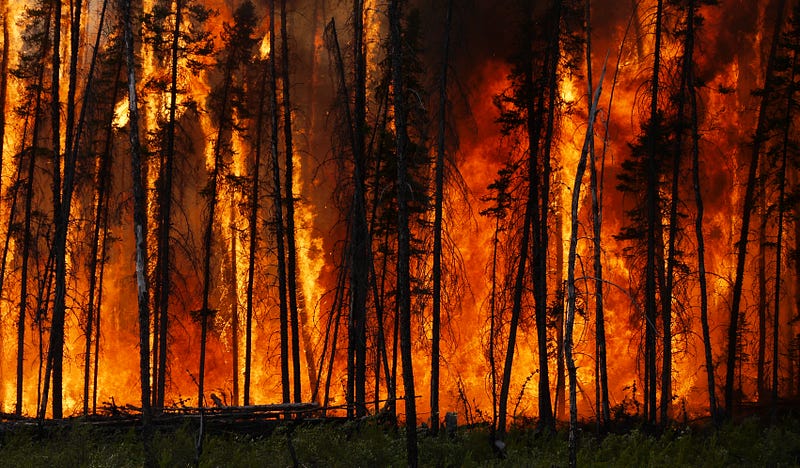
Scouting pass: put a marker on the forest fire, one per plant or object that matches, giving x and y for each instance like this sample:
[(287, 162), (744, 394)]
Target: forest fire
[(295, 251)]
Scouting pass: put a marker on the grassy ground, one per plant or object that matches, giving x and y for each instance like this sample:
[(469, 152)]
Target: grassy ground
[(749, 443)]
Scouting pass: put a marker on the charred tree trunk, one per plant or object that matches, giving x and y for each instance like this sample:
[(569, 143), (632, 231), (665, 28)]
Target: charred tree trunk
[(254, 207), (291, 248), (278, 207), (652, 214), (571, 292), (403, 234), (437, 225), (233, 299), (4, 61), (493, 323), (603, 413), (698, 197), (26, 247), (360, 245), (534, 125), (101, 184), (139, 216), (99, 307), (101, 188), (26, 233), (785, 144), (761, 372), (161, 330), (540, 223), (747, 208), (55, 357)]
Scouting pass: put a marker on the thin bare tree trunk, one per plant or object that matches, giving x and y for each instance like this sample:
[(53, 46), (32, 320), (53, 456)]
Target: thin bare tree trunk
[(233, 298), (165, 207), (701, 261), (55, 355), (571, 293), (403, 234), (540, 223), (360, 246), (278, 202), (4, 61), (99, 307), (790, 104), (533, 127), (101, 185), (747, 207), (139, 229), (437, 225), (26, 233), (291, 248), (254, 206), (652, 209)]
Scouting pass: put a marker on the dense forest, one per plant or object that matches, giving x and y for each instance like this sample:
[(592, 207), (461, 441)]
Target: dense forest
[(515, 211)]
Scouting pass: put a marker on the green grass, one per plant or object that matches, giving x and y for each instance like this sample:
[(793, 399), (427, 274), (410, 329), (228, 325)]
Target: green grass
[(749, 443)]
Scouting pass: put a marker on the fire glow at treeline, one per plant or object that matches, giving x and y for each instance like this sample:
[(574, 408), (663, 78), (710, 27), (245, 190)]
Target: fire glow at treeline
[(282, 263)]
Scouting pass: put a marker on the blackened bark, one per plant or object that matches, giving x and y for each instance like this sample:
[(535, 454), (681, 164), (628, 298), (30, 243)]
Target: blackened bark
[(99, 307), (533, 127), (4, 61), (437, 225), (540, 224), (165, 221), (360, 244), (26, 233), (101, 188), (278, 207), (785, 144), (55, 358), (254, 206), (596, 188), (698, 197), (403, 234), (291, 248), (139, 216), (571, 293), (747, 208), (652, 215), (358, 251)]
